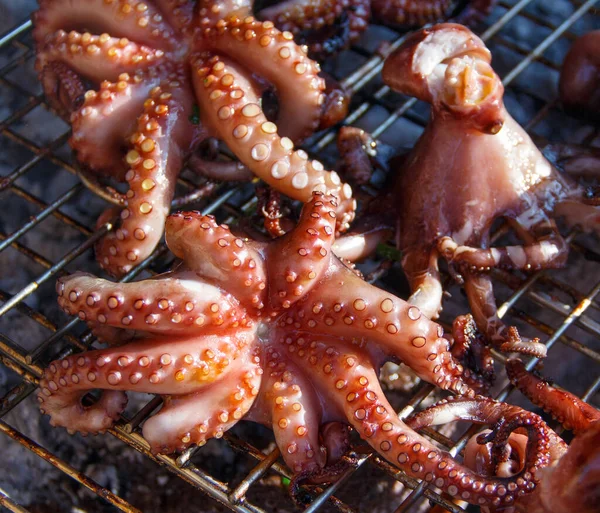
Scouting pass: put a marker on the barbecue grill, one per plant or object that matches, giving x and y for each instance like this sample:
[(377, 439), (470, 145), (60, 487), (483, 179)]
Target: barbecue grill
[(47, 229)]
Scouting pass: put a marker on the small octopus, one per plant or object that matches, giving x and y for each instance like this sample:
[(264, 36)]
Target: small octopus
[(570, 482), (278, 332), (147, 62), (472, 165)]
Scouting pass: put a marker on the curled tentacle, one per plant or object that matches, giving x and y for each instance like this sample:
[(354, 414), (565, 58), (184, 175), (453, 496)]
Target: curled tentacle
[(449, 67), (194, 418), (162, 366), (230, 102), (355, 388), (568, 409), (214, 252), (63, 87), (175, 304)]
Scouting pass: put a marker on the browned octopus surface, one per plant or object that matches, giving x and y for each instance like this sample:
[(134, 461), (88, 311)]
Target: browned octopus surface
[(277, 332), (147, 63), (473, 165), (328, 26)]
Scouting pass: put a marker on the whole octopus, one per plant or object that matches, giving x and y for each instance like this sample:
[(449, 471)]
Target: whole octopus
[(277, 332), (473, 165), (148, 62)]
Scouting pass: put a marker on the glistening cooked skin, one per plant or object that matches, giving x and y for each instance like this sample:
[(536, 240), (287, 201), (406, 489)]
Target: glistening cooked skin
[(147, 63), (281, 333), (472, 165)]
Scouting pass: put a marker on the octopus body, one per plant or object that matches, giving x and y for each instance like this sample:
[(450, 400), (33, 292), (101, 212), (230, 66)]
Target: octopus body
[(147, 64), (570, 482), (279, 332), (472, 165), (579, 84)]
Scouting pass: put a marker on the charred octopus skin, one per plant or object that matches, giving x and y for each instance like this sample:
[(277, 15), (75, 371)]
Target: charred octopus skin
[(127, 73), (570, 482), (280, 332), (472, 165)]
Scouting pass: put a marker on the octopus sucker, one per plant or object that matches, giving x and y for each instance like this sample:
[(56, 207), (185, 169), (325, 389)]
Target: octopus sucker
[(472, 165), (65, 86), (155, 159), (229, 100), (300, 353)]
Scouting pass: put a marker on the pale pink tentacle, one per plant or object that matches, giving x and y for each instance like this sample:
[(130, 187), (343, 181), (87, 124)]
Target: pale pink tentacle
[(162, 366), (295, 413), (164, 134), (295, 76), (176, 304), (303, 255), (98, 57)]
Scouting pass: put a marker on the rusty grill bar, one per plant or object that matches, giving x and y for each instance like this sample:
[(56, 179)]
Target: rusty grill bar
[(28, 364)]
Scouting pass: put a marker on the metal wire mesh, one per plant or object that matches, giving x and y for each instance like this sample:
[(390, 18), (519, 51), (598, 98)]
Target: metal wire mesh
[(557, 306)]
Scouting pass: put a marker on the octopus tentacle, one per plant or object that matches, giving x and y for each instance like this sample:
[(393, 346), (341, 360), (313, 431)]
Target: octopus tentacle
[(163, 134), (354, 386), (261, 44), (98, 57), (64, 88), (302, 253), (106, 118), (213, 251), (144, 366), (421, 268), (177, 304), (401, 329), (568, 409), (134, 19), (480, 293), (543, 254), (313, 15), (194, 418), (230, 102), (219, 171), (412, 13), (294, 413)]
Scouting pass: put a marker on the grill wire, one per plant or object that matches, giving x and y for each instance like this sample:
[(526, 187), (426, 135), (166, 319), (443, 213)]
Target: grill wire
[(557, 306)]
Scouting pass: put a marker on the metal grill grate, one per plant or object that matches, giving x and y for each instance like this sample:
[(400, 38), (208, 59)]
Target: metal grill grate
[(546, 302)]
